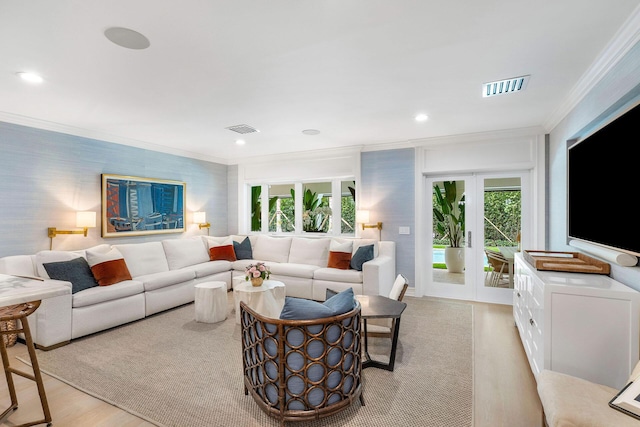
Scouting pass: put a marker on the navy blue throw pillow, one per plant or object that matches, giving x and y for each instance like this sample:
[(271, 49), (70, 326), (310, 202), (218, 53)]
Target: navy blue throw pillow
[(362, 255), (243, 250), (76, 271)]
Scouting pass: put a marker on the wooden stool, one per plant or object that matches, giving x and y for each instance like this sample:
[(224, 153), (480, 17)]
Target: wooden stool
[(20, 312)]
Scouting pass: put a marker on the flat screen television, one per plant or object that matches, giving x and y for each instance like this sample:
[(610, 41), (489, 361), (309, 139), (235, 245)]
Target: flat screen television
[(603, 171)]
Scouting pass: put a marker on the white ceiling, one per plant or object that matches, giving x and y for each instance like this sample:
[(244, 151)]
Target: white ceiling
[(356, 70)]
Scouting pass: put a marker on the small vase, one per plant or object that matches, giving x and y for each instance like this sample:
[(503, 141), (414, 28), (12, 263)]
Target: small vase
[(257, 281)]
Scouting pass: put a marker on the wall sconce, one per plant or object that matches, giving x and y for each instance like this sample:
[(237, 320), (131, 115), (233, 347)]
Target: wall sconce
[(84, 220), (200, 218), (362, 217)]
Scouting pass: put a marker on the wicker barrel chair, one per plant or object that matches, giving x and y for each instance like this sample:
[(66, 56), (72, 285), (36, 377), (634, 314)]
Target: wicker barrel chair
[(299, 370)]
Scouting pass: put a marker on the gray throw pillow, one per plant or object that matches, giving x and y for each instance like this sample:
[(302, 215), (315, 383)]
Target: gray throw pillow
[(76, 271), (362, 255), (342, 302), (243, 249)]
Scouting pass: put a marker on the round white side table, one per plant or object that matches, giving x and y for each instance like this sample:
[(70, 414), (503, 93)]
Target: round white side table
[(211, 302), (266, 299)]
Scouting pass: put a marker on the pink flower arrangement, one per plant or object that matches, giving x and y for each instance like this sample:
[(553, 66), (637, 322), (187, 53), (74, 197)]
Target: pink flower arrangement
[(257, 270)]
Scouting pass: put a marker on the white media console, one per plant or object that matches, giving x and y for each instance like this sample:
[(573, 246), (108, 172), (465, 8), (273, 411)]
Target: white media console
[(585, 325)]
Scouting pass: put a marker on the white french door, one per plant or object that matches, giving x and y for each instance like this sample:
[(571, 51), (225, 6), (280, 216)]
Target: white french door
[(497, 213)]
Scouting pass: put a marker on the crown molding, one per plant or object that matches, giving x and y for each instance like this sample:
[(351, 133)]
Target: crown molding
[(102, 136), (481, 137), (626, 37)]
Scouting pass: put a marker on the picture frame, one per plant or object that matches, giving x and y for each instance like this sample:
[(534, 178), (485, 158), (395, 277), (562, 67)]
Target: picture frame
[(135, 206)]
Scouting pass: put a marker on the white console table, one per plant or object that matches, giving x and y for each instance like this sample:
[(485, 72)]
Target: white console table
[(585, 325)]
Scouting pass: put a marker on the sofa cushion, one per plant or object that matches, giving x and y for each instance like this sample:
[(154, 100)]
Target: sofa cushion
[(222, 253), (107, 265), (184, 252), (208, 268), (274, 249), (76, 271), (243, 250), (293, 270), (100, 294), (362, 255), (144, 258), (309, 251), (167, 278), (53, 256), (337, 275)]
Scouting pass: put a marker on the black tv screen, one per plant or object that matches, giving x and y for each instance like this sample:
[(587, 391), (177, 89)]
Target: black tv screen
[(603, 172)]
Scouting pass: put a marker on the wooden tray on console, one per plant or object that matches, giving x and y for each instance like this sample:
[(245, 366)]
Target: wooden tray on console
[(572, 262)]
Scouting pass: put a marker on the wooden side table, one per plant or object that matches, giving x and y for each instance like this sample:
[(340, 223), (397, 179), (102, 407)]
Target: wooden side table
[(379, 307), (19, 312), (20, 297)]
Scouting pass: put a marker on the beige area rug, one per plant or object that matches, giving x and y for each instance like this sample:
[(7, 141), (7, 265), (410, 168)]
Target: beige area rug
[(172, 371)]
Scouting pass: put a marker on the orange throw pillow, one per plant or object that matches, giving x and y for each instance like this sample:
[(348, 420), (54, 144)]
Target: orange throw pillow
[(110, 272), (222, 253), (339, 260)]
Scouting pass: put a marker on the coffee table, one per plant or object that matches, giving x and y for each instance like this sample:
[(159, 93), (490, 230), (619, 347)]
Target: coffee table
[(266, 299), (377, 307)]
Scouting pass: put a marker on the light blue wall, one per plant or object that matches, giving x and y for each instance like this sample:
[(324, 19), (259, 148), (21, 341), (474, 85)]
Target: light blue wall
[(388, 191), (45, 177), (620, 87)]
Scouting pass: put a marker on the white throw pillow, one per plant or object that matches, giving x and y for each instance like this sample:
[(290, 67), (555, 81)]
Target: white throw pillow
[(337, 246), (184, 252), (309, 251), (274, 249)]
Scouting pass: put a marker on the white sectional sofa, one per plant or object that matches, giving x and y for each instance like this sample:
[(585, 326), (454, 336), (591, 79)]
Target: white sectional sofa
[(163, 275)]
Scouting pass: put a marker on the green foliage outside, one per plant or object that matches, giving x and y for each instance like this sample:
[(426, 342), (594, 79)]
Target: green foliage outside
[(348, 210), (502, 212)]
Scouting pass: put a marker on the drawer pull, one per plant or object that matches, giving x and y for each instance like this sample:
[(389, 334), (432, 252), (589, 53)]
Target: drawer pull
[(531, 322), (518, 294)]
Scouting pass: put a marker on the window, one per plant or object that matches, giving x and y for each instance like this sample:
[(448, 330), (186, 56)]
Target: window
[(324, 207), (281, 208), (316, 207)]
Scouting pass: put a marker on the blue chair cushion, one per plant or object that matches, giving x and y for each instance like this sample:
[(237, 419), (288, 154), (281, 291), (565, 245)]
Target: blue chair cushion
[(303, 309)]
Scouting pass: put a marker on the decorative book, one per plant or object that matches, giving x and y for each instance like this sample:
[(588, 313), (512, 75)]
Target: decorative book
[(628, 400)]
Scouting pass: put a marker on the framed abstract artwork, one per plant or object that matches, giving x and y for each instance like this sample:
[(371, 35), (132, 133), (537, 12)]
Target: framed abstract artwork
[(134, 206)]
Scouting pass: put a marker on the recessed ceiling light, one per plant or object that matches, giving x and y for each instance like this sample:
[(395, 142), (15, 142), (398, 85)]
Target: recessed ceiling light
[(421, 117), (240, 141), (311, 131), (30, 77), (127, 38)]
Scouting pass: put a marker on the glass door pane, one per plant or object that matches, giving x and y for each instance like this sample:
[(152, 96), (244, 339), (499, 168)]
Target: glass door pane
[(448, 230)]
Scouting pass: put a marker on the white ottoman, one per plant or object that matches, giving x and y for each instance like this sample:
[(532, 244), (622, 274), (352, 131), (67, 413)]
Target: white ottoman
[(211, 302)]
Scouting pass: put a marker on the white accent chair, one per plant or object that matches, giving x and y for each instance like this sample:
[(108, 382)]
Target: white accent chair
[(383, 327)]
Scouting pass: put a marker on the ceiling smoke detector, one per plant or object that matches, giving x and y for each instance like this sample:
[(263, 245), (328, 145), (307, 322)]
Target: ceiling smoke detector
[(243, 129), (502, 87)]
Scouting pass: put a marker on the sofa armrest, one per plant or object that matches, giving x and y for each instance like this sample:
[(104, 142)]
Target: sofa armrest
[(378, 275)]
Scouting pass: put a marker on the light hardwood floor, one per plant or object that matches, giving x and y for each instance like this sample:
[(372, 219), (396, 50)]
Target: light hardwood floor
[(504, 387)]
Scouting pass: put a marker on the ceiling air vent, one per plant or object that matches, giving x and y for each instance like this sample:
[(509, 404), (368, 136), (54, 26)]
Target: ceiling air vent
[(243, 129), (502, 87)]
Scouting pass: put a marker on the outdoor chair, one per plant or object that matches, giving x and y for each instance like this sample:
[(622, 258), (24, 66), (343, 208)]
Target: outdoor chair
[(498, 273)]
